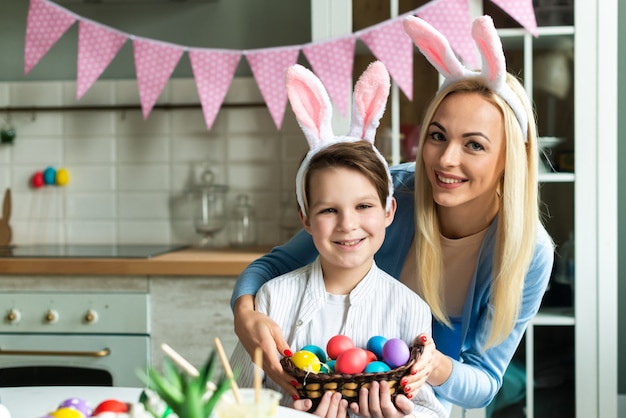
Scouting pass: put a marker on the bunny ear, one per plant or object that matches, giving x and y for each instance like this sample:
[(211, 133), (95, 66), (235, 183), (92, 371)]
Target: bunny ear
[(310, 103), (435, 47), (490, 47), (370, 99)]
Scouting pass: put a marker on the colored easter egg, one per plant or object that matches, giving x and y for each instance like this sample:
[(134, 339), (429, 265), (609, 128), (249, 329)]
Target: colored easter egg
[(370, 356), (351, 361), (375, 345), (67, 413), (79, 404), (318, 351), (37, 180), (377, 367), (396, 353), (62, 177), (337, 345), (307, 361), (110, 405), (49, 175), (329, 366)]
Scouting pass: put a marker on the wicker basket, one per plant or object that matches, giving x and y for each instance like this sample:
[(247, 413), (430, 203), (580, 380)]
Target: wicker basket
[(313, 385)]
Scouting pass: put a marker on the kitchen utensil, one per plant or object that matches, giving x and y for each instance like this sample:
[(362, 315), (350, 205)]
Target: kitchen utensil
[(5, 229), (210, 215), (243, 223)]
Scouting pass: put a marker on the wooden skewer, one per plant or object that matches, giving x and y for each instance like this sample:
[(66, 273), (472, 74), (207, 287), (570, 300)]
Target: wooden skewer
[(258, 361), (227, 369), (184, 364)]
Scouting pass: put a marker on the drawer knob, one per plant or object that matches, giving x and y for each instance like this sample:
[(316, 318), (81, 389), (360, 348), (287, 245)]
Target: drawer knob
[(52, 316), (91, 316), (14, 316)]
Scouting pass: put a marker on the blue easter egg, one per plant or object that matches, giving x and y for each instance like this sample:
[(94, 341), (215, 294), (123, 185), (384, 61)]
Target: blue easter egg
[(49, 175), (377, 367), (375, 344), (318, 351)]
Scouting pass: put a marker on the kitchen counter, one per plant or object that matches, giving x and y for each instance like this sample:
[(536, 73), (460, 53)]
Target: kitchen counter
[(186, 262)]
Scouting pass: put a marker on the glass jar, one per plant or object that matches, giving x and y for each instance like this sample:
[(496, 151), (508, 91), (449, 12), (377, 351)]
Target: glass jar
[(243, 223)]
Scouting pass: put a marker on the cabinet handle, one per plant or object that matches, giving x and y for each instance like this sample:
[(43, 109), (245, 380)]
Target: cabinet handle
[(100, 353)]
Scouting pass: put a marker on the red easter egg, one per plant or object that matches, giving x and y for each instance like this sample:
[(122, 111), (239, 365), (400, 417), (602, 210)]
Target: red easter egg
[(37, 180), (110, 405), (337, 345), (351, 361), (371, 356)]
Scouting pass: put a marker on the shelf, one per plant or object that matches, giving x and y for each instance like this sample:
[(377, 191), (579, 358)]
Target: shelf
[(554, 316), (557, 177)]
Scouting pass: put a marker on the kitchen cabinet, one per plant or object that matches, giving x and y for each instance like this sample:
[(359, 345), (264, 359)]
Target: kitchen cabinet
[(578, 191)]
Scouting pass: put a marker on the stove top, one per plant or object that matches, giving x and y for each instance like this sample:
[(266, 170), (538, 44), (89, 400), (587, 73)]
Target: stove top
[(89, 250)]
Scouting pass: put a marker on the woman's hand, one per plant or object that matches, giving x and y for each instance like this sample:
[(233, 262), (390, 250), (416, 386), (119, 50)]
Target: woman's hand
[(431, 367), (332, 405), (376, 403), (255, 329)]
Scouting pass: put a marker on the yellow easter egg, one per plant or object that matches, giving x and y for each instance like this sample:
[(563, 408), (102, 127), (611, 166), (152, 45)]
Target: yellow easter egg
[(306, 360), (67, 413), (62, 177)]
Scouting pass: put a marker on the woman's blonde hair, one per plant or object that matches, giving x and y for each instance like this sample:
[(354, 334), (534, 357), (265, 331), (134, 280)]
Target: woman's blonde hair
[(518, 217)]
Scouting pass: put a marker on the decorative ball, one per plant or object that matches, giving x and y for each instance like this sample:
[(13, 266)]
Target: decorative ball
[(337, 345), (110, 405), (307, 361), (377, 367), (396, 352), (79, 404), (375, 345), (49, 175), (318, 351), (351, 361), (62, 177)]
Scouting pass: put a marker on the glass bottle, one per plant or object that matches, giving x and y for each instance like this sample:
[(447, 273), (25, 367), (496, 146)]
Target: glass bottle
[(243, 223)]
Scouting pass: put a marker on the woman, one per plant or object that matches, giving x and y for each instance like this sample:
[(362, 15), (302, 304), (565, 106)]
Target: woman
[(479, 255)]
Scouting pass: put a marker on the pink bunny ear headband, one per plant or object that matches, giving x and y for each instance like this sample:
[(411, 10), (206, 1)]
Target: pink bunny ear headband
[(437, 50), (311, 104)]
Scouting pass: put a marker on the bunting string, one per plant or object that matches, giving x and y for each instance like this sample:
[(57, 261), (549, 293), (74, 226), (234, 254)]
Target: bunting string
[(213, 69)]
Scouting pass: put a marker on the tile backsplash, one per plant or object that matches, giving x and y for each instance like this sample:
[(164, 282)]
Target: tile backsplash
[(130, 177)]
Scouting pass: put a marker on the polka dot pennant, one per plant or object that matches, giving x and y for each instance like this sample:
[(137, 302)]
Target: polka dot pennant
[(154, 64), (268, 68), (332, 62), (213, 72), (97, 46), (452, 19), (522, 11), (45, 25), (391, 45)]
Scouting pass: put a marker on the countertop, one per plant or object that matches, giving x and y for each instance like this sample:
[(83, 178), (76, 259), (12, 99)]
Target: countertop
[(186, 262)]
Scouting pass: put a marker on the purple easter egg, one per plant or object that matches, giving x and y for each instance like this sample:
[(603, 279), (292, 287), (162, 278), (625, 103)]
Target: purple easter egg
[(396, 353), (78, 404)]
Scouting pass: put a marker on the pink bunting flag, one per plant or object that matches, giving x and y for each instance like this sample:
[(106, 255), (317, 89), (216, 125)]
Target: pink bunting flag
[(268, 68), (97, 46), (522, 11), (45, 25), (213, 72), (391, 45), (154, 63), (333, 62), (452, 19)]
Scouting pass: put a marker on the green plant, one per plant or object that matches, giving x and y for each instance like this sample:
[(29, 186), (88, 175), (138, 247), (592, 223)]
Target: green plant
[(186, 395)]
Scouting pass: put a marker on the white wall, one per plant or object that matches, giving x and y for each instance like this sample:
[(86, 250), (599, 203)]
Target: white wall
[(129, 176)]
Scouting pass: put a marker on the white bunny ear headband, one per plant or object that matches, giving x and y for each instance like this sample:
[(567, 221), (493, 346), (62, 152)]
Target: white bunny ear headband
[(311, 104), (437, 50)]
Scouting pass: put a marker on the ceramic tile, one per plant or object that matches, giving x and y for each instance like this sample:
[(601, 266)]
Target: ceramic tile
[(145, 177), (143, 206), (47, 93), (37, 205), (253, 119), (37, 232), (87, 123), (37, 124), (45, 152), (132, 123), (92, 232), (193, 148), (101, 93), (253, 147), (91, 206), (142, 232), (89, 150), (153, 149), (92, 178), (253, 177)]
